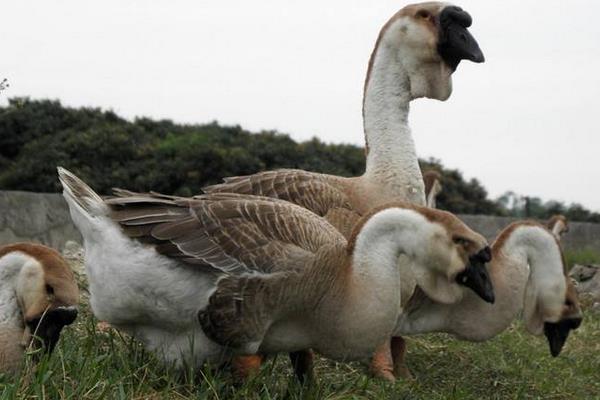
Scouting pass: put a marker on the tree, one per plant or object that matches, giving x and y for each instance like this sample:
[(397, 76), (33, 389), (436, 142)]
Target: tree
[(107, 150)]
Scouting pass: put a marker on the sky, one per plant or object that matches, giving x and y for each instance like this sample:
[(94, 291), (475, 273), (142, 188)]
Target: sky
[(525, 120)]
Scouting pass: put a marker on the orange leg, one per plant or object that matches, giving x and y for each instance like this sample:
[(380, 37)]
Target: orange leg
[(302, 361), (381, 363), (246, 366), (398, 354)]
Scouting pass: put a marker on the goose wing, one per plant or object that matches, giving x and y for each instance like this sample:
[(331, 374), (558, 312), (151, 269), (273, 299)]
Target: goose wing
[(324, 195), (229, 232)]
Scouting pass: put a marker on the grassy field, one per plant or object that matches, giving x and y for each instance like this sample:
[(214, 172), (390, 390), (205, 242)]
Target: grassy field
[(90, 364), (585, 256)]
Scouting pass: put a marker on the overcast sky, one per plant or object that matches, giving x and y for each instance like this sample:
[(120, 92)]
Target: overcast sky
[(526, 120)]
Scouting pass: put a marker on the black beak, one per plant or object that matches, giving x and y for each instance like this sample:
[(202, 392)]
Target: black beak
[(476, 276), (558, 332), (48, 327), (455, 42)]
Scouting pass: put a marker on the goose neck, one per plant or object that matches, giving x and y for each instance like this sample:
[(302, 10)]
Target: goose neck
[(375, 274), (536, 250), (391, 154)]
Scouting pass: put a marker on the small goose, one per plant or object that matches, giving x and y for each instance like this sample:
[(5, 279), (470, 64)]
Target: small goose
[(528, 272), (433, 187), (414, 56), (38, 296), (558, 225), (260, 274)]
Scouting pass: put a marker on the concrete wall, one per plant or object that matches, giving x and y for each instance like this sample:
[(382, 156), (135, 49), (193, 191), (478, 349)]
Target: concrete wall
[(44, 218), (581, 235), (37, 217)]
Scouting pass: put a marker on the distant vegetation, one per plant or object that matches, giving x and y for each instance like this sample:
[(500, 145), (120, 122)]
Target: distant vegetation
[(107, 151)]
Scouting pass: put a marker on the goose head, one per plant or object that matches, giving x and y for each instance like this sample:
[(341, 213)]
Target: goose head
[(429, 40), (571, 317), (46, 293), (466, 248)]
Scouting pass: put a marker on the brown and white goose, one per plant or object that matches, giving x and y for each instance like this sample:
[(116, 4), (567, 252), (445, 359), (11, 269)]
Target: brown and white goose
[(38, 297), (433, 187), (503, 313), (558, 225), (416, 52), (261, 274), (528, 272), (415, 55)]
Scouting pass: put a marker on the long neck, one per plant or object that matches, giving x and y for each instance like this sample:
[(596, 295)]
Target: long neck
[(391, 154), (545, 288), (10, 313), (371, 304), (558, 229)]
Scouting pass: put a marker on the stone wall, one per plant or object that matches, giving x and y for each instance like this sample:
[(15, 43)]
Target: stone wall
[(44, 218)]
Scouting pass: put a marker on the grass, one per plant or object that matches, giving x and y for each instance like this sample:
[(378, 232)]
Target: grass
[(93, 364), (585, 256)]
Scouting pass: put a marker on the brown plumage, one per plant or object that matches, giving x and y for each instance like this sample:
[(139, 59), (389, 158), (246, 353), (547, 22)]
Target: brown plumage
[(328, 196), (231, 232)]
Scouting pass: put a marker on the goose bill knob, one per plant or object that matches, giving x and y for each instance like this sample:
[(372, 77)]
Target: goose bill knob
[(48, 326), (476, 276), (455, 41)]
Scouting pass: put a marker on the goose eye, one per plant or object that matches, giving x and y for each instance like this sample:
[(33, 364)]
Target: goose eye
[(568, 303), (460, 241), (423, 14), (49, 290)]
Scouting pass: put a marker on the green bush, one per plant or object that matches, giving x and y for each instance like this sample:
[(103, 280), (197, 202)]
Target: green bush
[(107, 151)]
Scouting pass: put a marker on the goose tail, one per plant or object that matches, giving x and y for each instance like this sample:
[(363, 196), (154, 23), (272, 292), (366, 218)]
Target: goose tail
[(82, 200)]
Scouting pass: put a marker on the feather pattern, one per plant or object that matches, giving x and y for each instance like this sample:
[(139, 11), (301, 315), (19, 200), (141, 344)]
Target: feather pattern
[(230, 232), (264, 245), (325, 195)]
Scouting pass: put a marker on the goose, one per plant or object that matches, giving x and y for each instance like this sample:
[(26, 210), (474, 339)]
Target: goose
[(433, 187), (259, 274), (558, 225), (571, 320), (528, 272), (415, 54), (38, 297)]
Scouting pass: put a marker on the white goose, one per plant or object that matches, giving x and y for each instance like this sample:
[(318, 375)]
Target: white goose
[(262, 274), (415, 55), (38, 294), (528, 271)]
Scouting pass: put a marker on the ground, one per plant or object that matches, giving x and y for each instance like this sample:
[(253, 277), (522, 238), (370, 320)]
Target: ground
[(101, 364)]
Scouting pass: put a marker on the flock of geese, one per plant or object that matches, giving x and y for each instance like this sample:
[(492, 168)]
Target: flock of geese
[(296, 261)]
